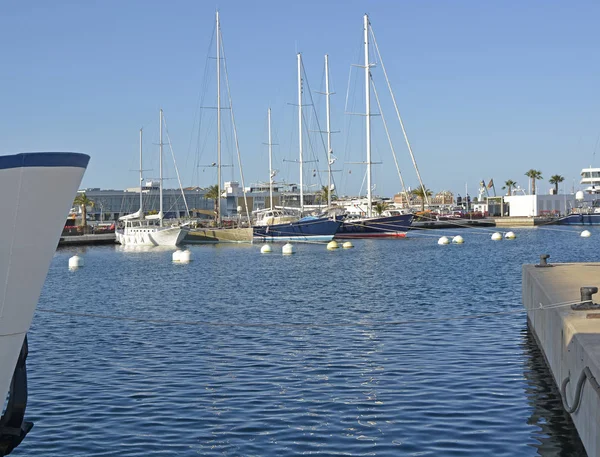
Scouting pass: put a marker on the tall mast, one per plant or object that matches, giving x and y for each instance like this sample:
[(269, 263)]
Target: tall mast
[(141, 178), (218, 208), (329, 150), (160, 181), (301, 161), (368, 115), (270, 161)]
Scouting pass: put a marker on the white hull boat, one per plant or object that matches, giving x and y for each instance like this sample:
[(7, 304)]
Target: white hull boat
[(36, 193), (149, 235)]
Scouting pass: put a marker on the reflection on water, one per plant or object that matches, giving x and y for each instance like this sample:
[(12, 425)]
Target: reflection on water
[(556, 435), (328, 382)]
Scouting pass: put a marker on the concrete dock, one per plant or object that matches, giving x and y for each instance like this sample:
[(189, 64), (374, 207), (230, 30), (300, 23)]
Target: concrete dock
[(98, 238), (569, 339)]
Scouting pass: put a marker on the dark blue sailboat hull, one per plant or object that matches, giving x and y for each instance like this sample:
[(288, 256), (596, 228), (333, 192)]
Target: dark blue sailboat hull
[(376, 227), (307, 229)]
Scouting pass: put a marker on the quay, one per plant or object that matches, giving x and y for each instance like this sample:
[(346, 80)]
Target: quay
[(98, 238), (568, 335), (523, 221)]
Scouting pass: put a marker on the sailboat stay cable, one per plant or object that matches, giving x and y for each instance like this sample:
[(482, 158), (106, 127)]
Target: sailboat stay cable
[(187, 209), (198, 112), (412, 156), (388, 137), (235, 135)]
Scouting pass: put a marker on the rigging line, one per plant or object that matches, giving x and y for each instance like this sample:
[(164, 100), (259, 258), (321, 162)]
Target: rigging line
[(399, 117), (187, 209), (389, 139), (237, 144), (313, 110), (305, 324), (198, 111)]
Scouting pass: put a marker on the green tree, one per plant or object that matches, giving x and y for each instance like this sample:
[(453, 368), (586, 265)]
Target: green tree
[(380, 207), (421, 193), (213, 194), (556, 180), (83, 202), (509, 184), (534, 175)]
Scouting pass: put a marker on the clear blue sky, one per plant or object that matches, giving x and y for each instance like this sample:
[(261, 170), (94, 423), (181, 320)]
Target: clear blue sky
[(486, 89)]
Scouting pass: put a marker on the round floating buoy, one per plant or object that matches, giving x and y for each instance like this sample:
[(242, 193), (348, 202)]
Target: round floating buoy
[(586, 234), (332, 245), (444, 240), (496, 236), (177, 255), (510, 235), (75, 262), (458, 239), (185, 256), (347, 245), (288, 249), (266, 249)]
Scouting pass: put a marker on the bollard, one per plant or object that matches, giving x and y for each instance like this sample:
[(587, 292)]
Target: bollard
[(586, 299), (543, 261)]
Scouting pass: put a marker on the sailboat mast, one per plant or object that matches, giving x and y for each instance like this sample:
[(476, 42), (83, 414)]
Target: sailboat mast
[(218, 208), (270, 161), (329, 150), (141, 178), (301, 160), (368, 115), (160, 180)]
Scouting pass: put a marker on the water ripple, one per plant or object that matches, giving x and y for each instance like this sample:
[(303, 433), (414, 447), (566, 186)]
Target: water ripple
[(105, 387)]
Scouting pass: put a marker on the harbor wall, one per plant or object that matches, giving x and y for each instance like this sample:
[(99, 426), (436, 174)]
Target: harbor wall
[(569, 339)]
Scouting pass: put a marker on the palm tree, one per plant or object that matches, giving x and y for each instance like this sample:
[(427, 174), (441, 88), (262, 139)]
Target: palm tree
[(421, 193), (534, 175), (323, 194), (380, 207), (556, 179), (509, 186), (213, 194), (83, 202)]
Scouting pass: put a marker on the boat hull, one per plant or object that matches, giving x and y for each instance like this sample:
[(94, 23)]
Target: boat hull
[(376, 227), (580, 219), (33, 187), (219, 235), (323, 229), (153, 236)]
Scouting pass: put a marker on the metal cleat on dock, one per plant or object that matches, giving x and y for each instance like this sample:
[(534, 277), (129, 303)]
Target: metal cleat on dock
[(543, 261), (586, 299)]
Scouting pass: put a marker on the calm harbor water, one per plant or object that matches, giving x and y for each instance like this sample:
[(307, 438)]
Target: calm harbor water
[(349, 352)]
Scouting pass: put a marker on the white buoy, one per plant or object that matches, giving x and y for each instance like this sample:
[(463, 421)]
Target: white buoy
[(185, 256), (347, 245), (332, 245), (497, 236), (458, 239), (444, 240), (75, 262), (177, 255), (288, 249), (586, 234), (510, 235), (266, 249)]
